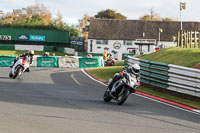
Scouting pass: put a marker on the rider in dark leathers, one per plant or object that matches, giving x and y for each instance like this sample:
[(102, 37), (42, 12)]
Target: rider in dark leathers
[(135, 69)]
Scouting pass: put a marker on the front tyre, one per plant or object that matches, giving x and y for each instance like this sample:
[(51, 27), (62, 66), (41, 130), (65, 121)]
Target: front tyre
[(106, 96), (18, 72), (10, 75), (122, 96)]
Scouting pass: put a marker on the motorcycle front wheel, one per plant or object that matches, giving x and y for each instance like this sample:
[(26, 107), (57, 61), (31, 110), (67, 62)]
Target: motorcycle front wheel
[(106, 96), (10, 75), (18, 71), (122, 96)]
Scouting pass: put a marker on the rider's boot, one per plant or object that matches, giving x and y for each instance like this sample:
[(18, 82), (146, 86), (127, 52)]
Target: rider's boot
[(11, 65)]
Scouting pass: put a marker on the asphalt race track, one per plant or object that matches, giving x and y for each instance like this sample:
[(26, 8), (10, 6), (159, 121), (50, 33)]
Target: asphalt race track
[(63, 100)]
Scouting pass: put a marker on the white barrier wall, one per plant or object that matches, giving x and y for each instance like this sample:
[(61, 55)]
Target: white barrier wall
[(28, 47), (69, 51), (120, 46), (69, 62), (113, 45), (63, 61)]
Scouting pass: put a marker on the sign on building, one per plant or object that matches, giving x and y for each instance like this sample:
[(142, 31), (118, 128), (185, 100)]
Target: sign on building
[(23, 37), (37, 38), (5, 37), (76, 42)]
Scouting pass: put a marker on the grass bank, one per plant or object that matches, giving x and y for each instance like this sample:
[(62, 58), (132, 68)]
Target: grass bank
[(10, 52), (119, 63), (104, 73), (178, 56)]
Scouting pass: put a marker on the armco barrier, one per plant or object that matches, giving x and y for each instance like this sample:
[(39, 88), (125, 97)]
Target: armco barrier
[(6, 60), (91, 62), (47, 61), (171, 77), (152, 73), (184, 80)]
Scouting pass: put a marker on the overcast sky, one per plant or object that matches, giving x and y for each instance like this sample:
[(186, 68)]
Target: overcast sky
[(72, 10)]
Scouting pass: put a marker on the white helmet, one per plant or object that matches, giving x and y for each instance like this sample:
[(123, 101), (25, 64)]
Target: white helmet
[(135, 69)]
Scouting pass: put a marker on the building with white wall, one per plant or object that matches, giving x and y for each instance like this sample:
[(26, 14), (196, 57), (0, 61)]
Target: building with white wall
[(125, 36)]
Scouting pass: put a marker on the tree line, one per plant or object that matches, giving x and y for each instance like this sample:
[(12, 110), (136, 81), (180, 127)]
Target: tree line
[(38, 16), (35, 16)]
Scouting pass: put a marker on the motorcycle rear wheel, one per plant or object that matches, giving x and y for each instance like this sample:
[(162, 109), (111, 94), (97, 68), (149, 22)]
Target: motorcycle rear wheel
[(122, 96), (106, 96)]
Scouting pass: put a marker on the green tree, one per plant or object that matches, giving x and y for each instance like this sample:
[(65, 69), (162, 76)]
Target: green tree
[(110, 14), (83, 26), (35, 16), (155, 17)]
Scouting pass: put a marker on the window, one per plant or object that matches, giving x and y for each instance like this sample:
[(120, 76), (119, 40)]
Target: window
[(102, 42), (128, 43)]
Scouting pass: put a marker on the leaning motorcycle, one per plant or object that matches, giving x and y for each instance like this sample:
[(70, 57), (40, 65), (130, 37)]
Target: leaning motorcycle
[(20, 67), (110, 62), (122, 89)]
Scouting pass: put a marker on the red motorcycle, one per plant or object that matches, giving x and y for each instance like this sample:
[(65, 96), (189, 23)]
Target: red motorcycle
[(20, 67)]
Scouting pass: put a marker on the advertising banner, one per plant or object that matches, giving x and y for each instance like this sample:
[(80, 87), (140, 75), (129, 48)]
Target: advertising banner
[(5, 37), (6, 61), (28, 47), (91, 62), (47, 61), (69, 51), (76, 42), (37, 38), (23, 37)]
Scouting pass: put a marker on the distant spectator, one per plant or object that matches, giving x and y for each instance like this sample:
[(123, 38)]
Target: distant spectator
[(89, 55), (105, 54), (46, 54)]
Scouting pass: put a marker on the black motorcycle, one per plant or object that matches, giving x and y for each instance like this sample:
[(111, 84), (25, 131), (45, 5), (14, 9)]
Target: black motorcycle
[(121, 89)]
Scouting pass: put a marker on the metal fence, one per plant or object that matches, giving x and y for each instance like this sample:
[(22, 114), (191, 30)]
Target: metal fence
[(184, 80), (171, 77)]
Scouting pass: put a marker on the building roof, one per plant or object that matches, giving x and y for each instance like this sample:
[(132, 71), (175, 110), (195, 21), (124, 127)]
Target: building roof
[(112, 29)]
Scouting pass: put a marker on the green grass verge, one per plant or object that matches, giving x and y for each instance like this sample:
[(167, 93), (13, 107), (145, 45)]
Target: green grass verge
[(192, 103), (119, 63), (9, 52), (174, 55), (103, 74)]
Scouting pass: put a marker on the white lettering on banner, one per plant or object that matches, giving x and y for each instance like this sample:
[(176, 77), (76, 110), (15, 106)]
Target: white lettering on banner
[(49, 61), (23, 37), (4, 61), (5, 37), (37, 38), (90, 63)]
